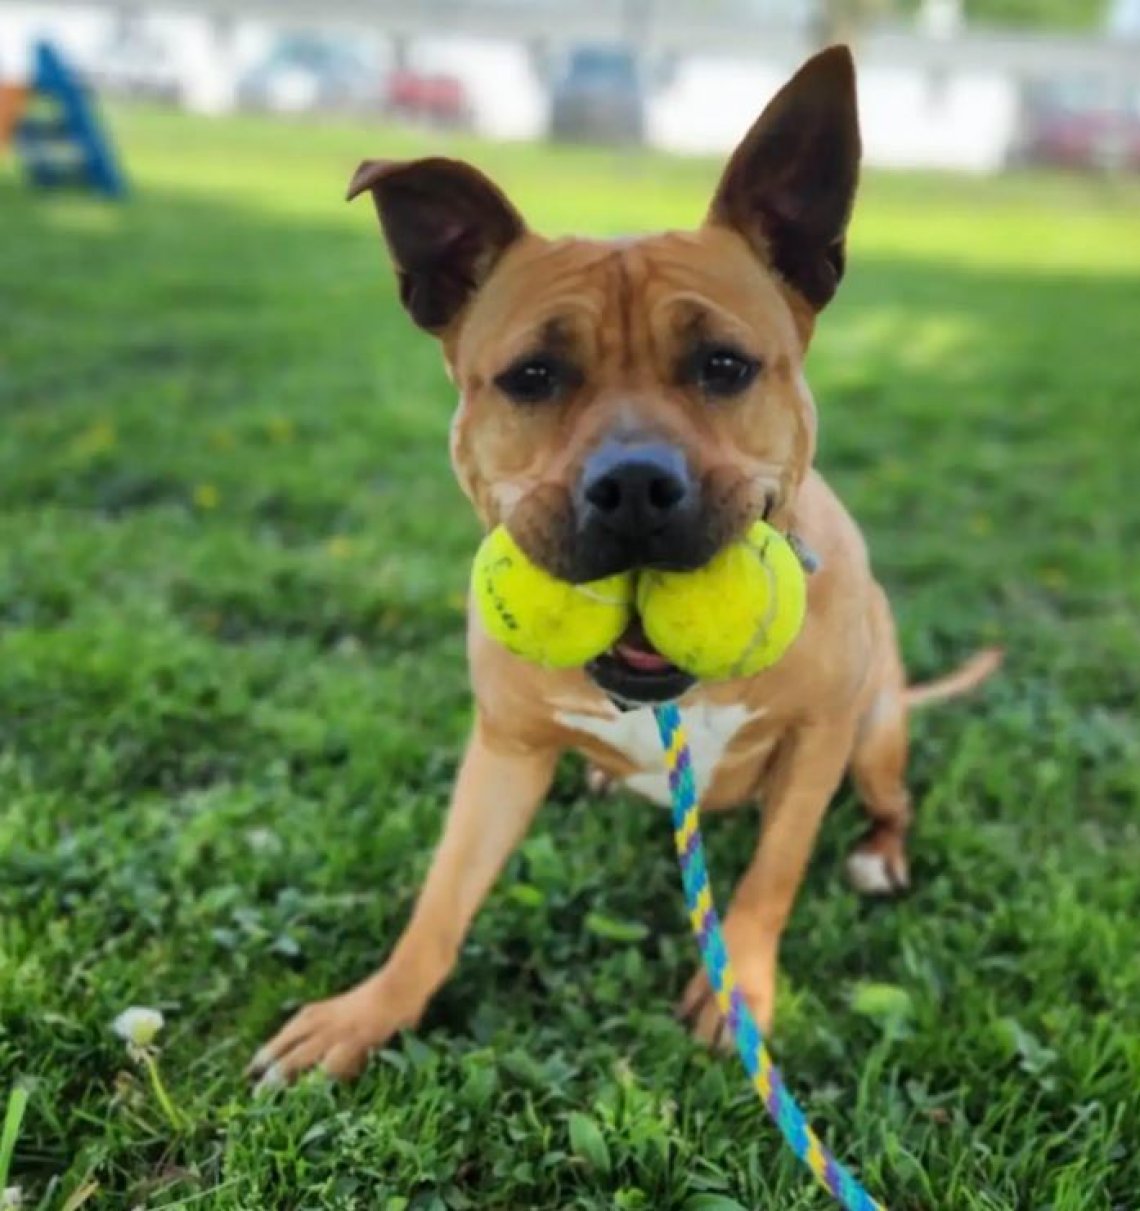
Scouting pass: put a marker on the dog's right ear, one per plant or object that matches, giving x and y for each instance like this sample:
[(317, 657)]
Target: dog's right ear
[(445, 225)]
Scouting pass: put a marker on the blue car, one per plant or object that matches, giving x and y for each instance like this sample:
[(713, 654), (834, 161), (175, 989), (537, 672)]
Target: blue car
[(599, 98)]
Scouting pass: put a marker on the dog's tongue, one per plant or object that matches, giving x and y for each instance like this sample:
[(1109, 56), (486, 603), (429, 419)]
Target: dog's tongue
[(636, 650)]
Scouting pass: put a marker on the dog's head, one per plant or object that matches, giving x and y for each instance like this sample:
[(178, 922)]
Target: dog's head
[(639, 402)]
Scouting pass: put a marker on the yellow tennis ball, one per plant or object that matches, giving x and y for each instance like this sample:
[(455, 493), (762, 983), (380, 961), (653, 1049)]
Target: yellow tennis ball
[(733, 617), (543, 619)]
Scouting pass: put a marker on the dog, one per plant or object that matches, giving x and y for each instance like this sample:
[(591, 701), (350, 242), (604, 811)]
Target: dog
[(638, 403)]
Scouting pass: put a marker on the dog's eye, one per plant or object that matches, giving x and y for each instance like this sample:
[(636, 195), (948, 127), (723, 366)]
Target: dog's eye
[(531, 381), (723, 371)]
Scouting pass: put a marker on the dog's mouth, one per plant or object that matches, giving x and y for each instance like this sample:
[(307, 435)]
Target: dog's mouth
[(634, 673)]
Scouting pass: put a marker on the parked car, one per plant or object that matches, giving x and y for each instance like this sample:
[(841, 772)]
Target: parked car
[(599, 98), (309, 72), (437, 98), (139, 65), (1084, 123)]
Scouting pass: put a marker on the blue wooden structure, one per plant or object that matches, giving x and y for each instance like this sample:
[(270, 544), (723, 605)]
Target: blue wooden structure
[(60, 138)]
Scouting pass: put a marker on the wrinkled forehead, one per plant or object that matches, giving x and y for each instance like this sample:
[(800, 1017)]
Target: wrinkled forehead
[(627, 300)]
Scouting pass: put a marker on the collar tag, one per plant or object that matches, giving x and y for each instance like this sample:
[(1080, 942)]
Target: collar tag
[(809, 560)]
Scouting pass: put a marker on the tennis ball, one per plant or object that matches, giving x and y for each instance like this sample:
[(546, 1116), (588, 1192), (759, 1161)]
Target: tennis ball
[(541, 618), (733, 617)]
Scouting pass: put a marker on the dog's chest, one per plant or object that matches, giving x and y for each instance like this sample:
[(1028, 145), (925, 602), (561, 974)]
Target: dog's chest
[(633, 735)]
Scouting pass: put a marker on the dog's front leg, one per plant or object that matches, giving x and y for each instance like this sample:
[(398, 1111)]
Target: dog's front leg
[(498, 791), (807, 770)]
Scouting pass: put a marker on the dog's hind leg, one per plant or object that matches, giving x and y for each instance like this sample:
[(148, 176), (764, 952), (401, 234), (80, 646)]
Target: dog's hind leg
[(878, 863)]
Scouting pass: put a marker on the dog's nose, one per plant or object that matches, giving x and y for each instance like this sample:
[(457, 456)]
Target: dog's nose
[(634, 491)]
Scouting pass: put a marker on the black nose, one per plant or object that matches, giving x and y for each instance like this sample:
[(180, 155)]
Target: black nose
[(634, 491)]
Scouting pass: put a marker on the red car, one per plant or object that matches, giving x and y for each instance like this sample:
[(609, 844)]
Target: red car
[(1081, 124), (427, 97)]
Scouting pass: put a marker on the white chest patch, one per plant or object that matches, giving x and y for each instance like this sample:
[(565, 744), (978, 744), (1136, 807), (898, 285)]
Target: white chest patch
[(634, 734)]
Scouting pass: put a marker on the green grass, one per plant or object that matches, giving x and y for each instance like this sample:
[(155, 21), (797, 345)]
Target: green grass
[(231, 670)]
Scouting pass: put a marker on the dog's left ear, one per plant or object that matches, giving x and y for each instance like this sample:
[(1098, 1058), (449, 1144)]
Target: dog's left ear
[(445, 225), (790, 185)]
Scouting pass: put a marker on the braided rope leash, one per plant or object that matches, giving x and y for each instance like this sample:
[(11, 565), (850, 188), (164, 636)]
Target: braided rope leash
[(765, 1076)]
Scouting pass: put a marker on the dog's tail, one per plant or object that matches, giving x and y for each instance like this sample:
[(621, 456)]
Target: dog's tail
[(965, 678)]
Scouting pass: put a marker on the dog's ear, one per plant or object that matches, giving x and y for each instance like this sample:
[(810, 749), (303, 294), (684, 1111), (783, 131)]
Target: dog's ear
[(789, 186), (445, 225)]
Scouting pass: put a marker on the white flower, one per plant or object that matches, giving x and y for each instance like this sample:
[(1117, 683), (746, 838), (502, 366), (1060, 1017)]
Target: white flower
[(138, 1025), (10, 1198), (263, 841)]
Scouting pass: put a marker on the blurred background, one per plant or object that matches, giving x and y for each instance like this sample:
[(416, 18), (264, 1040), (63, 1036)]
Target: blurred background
[(976, 85)]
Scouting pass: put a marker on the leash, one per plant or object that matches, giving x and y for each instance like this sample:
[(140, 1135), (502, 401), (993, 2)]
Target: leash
[(749, 1040)]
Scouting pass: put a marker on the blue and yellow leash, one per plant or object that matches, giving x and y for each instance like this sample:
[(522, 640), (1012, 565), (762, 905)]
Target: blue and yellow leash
[(765, 1076)]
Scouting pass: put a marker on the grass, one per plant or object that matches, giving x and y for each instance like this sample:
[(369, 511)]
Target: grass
[(231, 669)]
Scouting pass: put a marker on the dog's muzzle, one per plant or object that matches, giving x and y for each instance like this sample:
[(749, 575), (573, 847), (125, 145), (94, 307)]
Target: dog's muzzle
[(637, 505)]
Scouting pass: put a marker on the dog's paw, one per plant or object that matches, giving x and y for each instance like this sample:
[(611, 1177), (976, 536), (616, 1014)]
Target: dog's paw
[(336, 1036), (877, 866), (699, 1010)]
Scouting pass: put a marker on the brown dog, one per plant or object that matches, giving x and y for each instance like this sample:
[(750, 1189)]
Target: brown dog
[(639, 403)]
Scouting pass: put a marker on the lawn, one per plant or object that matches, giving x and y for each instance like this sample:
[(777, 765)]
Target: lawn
[(231, 672)]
